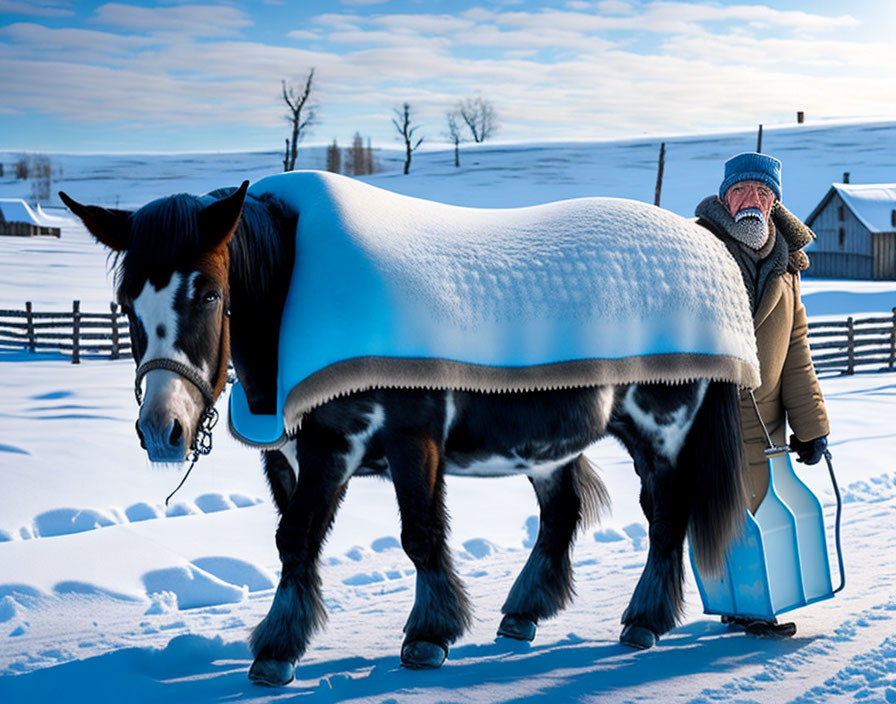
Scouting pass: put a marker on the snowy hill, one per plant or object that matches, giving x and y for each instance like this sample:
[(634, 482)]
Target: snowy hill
[(107, 596)]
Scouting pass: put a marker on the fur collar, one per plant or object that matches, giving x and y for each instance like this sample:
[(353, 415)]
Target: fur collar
[(712, 211)]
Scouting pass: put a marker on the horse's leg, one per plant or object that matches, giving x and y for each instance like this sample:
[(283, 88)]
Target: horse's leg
[(566, 498), (281, 469), (653, 423), (441, 611), (298, 610), (656, 603)]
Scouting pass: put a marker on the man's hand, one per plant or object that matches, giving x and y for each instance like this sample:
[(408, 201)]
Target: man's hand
[(809, 452)]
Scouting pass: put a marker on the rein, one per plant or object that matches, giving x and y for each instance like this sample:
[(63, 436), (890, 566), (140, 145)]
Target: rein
[(202, 443)]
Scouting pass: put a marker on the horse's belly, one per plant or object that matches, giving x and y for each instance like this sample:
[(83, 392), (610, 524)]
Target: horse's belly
[(503, 466)]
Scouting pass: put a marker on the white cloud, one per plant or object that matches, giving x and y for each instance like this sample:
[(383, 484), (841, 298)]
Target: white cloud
[(697, 66), (195, 20), (36, 9), (424, 24), (338, 21), (84, 45), (303, 34), (615, 7)]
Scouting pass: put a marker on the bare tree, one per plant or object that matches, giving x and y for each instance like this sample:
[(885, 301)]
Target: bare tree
[(455, 134), (356, 158), (406, 131), (369, 159), (41, 178), (297, 100), (480, 116), (334, 158), (359, 158)]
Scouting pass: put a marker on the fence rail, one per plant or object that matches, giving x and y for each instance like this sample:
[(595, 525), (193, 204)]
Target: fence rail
[(75, 332), (843, 345), (836, 346)]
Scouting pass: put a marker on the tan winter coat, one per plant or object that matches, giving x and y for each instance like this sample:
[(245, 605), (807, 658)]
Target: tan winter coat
[(789, 385), (789, 392)]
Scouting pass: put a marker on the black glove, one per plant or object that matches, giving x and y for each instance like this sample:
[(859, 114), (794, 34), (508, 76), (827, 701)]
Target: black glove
[(809, 452)]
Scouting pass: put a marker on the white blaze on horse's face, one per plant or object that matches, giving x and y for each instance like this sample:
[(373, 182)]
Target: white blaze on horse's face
[(171, 404)]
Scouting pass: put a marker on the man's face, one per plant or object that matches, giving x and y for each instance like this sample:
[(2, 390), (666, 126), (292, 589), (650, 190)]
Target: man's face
[(749, 194)]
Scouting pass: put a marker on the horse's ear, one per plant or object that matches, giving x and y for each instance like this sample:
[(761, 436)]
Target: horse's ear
[(218, 221), (109, 226)]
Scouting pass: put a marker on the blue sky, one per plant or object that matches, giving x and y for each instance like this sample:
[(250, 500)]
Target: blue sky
[(205, 75)]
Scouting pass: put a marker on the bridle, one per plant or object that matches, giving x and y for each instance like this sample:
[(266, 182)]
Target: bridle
[(202, 441)]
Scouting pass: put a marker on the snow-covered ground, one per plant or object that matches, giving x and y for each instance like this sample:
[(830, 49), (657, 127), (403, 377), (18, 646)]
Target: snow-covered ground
[(107, 596)]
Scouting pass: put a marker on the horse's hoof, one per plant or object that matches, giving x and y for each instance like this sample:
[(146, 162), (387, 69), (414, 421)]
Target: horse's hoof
[(517, 627), (271, 673), (638, 637), (422, 654)]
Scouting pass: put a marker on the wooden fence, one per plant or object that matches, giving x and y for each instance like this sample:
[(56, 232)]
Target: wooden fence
[(71, 332), (837, 346), (843, 345)]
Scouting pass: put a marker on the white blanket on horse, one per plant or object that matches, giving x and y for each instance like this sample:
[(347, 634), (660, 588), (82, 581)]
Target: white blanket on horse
[(394, 291)]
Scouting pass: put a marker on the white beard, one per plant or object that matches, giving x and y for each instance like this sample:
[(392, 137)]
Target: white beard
[(750, 227)]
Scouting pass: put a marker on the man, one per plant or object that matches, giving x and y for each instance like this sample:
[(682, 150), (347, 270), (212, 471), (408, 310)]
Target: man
[(766, 240)]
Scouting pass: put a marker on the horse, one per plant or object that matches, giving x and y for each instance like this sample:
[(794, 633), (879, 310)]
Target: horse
[(203, 280)]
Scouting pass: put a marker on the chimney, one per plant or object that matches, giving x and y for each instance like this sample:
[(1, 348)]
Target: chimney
[(846, 177), (800, 117)]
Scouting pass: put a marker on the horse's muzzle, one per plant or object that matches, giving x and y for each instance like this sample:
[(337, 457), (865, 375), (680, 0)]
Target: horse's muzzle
[(163, 441), (168, 417)]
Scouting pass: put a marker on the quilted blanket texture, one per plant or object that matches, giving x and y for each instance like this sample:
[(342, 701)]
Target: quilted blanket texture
[(393, 291)]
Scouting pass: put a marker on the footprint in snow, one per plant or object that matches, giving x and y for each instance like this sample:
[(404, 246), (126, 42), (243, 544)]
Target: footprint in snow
[(193, 587), (479, 547), (356, 553), (212, 503), (181, 508), (385, 543), (608, 535), (637, 533), (141, 511), (236, 572), (360, 580), (64, 521)]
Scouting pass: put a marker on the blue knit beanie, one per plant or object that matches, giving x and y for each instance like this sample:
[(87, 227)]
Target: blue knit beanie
[(752, 166)]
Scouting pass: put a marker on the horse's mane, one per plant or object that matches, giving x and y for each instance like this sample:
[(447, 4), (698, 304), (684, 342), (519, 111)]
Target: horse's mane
[(164, 237), (263, 247)]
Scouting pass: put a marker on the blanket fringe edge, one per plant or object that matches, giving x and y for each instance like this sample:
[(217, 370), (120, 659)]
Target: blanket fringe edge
[(369, 373)]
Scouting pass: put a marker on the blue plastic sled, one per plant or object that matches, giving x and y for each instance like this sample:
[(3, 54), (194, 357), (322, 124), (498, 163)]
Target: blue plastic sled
[(780, 562)]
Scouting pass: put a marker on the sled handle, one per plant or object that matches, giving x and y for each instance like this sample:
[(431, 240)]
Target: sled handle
[(827, 457)]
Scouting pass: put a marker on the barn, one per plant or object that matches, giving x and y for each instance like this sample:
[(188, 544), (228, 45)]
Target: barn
[(856, 228), (18, 218)]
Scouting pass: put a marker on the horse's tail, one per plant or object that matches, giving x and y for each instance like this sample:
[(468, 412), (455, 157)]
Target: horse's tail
[(592, 492), (713, 452)]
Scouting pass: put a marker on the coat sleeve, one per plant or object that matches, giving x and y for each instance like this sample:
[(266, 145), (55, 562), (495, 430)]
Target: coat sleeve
[(800, 390)]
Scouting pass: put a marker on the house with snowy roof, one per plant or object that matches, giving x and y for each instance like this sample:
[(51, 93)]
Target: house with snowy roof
[(856, 229), (18, 218)]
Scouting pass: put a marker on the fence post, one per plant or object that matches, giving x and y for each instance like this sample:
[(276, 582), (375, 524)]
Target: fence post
[(114, 316), (76, 332), (29, 322), (893, 342), (850, 346), (659, 174)]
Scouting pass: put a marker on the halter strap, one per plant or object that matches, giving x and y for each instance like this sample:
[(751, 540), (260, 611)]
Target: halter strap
[(184, 370)]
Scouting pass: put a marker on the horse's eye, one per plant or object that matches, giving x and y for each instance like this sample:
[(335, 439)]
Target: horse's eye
[(211, 297)]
